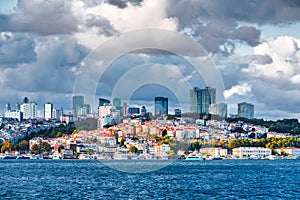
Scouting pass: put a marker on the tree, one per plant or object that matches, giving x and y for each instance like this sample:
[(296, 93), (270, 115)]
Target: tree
[(7, 146), (42, 147), (164, 133), (132, 149), (89, 151), (23, 145), (35, 149), (61, 147)]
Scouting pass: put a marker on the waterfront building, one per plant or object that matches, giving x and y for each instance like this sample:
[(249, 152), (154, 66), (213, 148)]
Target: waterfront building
[(160, 106), (257, 152), (48, 110), (218, 109), (246, 110), (78, 102), (214, 152), (289, 150), (200, 99)]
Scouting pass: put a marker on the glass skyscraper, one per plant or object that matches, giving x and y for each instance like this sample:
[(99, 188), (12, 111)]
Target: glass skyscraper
[(246, 110), (200, 99), (161, 106), (78, 102)]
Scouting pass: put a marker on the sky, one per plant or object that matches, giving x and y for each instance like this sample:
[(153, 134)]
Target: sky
[(255, 46)]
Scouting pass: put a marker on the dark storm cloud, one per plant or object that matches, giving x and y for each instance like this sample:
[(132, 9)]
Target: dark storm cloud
[(53, 71), (123, 3), (16, 49), (41, 17), (218, 23)]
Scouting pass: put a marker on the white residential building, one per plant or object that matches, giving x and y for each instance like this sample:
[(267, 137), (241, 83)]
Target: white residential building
[(251, 151)]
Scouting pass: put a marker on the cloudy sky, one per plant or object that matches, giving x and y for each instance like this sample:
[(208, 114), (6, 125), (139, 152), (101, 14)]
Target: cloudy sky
[(254, 45)]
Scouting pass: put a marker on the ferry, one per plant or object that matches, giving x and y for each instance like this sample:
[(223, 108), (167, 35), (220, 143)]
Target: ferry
[(194, 156)]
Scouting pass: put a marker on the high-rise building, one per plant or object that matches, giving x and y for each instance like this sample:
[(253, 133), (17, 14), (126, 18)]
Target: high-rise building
[(85, 109), (133, 111), (246, 110), (117, 103), (200, 99), (104, 102), (177, 112), (48, 110), (57, 113), (7, 106), (125, 109), (78, 102), (18, 107), (161, 106), (218, 109), (29, 110), (25, 100), (143, 110)]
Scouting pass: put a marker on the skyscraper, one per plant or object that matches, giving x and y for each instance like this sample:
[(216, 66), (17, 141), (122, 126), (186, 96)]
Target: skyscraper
[(117, 103), (246, 110), (161, 106), (29, 110), (218, 109), (104, 102), (48, 110), (7, 106), (200, 99), (78, 102)]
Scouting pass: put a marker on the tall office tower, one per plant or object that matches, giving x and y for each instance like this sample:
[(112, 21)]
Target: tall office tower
[(29, 110), (85, 109), (18, 107), (200, 99), (117, 103), (48, 110), (125, 109), (246, 110), (25, 100), (177, 112), (218, 109), (161, 106), (7, 106), (57, 113), (104, 102), (143, 110), (78, 102)]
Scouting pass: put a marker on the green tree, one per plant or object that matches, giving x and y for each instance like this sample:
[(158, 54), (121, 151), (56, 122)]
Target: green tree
[(35, 149), (132, 149), (23, 145)]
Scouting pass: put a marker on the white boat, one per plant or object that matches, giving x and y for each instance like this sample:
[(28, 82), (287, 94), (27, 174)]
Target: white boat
[(194, 156)]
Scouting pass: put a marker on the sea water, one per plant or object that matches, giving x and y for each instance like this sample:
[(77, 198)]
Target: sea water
[(91, 179)]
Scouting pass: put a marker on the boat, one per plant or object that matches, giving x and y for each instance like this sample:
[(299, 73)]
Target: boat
[(194, 156), (9, 157), (23, 157)]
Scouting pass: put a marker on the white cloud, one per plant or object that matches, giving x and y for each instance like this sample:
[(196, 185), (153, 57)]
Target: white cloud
[(241, 89)]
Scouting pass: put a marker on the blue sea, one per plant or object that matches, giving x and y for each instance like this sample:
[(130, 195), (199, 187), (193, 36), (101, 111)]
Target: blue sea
[(91, 179)]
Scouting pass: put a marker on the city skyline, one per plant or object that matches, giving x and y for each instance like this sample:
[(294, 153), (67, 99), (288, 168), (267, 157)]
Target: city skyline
[(255, 47)]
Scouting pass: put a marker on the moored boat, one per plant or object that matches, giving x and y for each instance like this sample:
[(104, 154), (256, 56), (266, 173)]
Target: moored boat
[(194, 156)]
